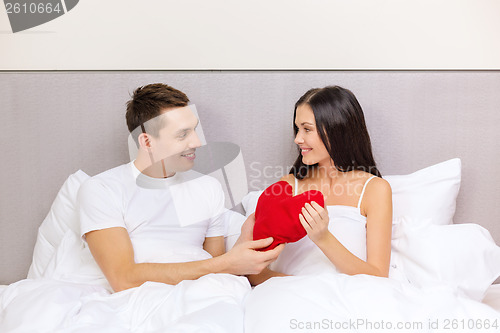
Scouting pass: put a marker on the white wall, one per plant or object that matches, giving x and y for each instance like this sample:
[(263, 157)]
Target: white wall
[(55, 123), (260, 34)]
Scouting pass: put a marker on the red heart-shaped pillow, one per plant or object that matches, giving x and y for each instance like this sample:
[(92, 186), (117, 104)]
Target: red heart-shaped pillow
[(277, 214)]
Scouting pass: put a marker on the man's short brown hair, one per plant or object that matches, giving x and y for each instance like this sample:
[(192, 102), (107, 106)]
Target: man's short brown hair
[(149, 101)]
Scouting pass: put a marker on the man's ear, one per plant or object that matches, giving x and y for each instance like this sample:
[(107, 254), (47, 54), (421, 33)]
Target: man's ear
[(144, 140)]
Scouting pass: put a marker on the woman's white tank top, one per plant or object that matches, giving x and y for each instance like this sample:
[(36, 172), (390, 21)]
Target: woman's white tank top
[(346, 224)]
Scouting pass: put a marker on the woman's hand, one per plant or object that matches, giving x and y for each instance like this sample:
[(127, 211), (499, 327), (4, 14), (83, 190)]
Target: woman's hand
[(314, 219)]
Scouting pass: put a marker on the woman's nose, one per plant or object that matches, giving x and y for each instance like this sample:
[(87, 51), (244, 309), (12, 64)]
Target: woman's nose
[(298, 139)]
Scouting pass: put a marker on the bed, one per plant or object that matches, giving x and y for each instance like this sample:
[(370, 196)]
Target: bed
[(446, 251)]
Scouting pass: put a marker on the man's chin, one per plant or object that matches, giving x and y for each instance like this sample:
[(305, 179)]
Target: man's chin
[(185, 166)]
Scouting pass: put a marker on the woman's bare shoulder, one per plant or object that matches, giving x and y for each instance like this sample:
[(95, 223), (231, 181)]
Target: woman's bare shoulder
[(376, 182), (378, 192), (380, 185), (290, 179)]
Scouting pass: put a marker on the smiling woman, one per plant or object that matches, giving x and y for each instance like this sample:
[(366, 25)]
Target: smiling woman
[(330, 121), (345, 260), (353, 229)]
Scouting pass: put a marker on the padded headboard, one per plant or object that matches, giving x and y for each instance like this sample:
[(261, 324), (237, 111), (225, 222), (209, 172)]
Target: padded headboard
[(54, 123)]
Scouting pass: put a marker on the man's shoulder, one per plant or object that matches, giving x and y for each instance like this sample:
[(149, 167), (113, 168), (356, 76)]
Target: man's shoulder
[(114, 179), (117, 172)]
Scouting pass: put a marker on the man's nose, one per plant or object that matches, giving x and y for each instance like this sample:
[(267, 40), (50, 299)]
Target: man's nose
[(195, 141)]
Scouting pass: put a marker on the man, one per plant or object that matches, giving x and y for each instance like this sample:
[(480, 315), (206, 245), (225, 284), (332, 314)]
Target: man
[(148, 221)]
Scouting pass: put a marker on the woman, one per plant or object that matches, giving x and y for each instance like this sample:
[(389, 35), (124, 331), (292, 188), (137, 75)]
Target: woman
[(353, 230), (335, 157)]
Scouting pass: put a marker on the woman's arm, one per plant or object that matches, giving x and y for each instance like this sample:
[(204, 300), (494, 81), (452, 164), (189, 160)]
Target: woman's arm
[(263, 276), (378, 208)]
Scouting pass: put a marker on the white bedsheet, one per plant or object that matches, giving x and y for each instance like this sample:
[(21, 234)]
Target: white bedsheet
[(213, 303), (361, 303), (492, 297), (72, 295)]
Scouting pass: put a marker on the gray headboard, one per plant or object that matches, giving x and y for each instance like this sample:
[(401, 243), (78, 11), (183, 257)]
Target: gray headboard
[(55, 123)]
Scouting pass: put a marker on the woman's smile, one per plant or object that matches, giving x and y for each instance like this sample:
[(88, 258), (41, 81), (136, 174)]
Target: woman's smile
[(305, 150)]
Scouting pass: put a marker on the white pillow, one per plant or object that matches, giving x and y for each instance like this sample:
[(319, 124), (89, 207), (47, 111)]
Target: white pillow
[(232, 222), (249, 202), (463, 256), (61, 218), (429, 193)]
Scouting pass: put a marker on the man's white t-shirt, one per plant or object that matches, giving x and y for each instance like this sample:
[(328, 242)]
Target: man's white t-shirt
[(167, 219)]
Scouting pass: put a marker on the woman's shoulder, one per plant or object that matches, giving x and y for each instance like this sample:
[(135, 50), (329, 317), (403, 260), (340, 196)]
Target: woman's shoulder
[(364, 176), (290, 179), (380, 185), (378, 191), (375, 183)]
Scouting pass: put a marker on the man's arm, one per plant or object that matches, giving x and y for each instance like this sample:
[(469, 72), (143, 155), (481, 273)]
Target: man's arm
[(113, 252), (214, 245)]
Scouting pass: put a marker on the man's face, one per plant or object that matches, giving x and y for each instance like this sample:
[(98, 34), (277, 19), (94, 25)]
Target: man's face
[(175, 145)]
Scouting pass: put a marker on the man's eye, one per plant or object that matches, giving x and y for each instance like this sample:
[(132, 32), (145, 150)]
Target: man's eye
[(183, 135)]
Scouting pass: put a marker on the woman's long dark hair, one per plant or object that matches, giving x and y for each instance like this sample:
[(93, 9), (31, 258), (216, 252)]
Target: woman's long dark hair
[(341, 126)]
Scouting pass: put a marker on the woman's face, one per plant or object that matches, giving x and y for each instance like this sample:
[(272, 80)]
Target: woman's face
[(312, 148)]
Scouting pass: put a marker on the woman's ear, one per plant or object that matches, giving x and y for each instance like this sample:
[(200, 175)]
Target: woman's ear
[(144, 140)]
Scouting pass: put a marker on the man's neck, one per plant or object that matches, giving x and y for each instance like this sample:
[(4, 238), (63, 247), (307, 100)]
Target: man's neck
[(155, 170)]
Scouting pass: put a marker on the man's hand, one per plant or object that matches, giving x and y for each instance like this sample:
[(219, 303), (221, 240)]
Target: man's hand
[(243, 259)]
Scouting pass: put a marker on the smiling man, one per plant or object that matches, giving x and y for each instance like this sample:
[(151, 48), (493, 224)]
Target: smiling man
[(150, 220)]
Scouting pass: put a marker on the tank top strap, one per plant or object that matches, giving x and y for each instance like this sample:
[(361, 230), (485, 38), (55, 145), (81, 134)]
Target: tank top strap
[(296, 186), (363, 192)]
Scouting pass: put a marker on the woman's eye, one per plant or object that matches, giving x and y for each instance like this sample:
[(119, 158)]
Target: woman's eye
[(307, 129)]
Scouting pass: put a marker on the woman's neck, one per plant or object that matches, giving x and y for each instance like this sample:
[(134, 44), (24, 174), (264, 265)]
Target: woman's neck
[(326, 170)]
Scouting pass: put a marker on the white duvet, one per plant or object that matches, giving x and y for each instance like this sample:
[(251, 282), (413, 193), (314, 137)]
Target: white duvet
[(438, 277), (213, 303), (224, 303), (72, 295), (440, 274), (341, 303)]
